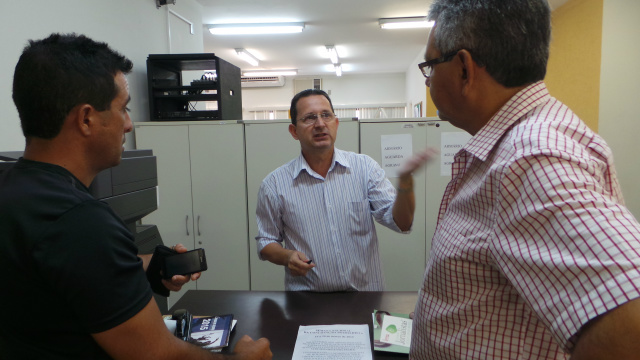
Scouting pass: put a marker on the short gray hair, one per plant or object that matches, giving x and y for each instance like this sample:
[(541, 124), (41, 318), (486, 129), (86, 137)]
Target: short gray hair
[(510, 37)]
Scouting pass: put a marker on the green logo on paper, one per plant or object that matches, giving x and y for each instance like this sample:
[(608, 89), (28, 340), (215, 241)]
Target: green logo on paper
[(392, 329)]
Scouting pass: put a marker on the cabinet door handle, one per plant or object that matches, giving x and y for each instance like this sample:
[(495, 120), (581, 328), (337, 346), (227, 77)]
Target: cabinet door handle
[(186, 224), (198, 225)]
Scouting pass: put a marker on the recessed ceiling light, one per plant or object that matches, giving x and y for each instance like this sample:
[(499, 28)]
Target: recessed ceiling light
[(333, 54), (247, 56), (405, 23), (264, 28), (338, 68)]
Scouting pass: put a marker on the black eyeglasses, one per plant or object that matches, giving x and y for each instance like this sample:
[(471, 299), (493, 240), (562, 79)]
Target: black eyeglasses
[(427, 66)]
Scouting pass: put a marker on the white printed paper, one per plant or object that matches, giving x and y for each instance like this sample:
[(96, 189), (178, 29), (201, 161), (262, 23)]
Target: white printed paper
[(450, 144), (331, 342), (396, 331), (396, 149), (171, 325)]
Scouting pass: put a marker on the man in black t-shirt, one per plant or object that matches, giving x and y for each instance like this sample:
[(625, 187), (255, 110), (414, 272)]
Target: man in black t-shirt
[(74, 286)]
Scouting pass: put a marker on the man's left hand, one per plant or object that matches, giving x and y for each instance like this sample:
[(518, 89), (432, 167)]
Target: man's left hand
[(415, 162)]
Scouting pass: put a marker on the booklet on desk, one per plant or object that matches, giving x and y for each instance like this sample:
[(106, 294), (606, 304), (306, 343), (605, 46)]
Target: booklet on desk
[(391, 331), (211, 332)]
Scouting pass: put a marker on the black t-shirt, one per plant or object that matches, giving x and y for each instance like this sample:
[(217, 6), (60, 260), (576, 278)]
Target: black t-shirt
[(69, 266)]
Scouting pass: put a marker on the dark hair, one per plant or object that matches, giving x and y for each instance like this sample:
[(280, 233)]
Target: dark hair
[(510, 37), (60, 72), (293, 111)]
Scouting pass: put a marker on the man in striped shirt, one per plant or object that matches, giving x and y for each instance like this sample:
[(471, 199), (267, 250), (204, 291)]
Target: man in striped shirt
[(322, 206), (535, 255)]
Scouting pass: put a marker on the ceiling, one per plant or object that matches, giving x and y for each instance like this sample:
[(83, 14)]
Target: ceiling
[(350, 25)]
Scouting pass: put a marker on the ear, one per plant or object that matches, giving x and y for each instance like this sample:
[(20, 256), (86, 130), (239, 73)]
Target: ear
[(469, 71), (293, 130), (82, 118)]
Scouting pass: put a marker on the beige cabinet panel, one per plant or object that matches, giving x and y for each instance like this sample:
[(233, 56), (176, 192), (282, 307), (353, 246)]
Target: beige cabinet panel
[(202, 196), (402, 255)]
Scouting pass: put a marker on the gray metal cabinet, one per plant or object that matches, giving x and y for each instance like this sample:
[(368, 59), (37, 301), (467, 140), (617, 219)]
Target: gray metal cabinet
[(202, 195), (402, 255), (268, 145), (438, 173)]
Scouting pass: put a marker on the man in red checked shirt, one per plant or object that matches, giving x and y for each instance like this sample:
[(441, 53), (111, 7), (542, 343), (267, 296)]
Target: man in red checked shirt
[(535, 255)]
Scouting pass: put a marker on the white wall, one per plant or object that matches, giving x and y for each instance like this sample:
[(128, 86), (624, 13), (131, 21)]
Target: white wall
[(415, 83), (387, 88), (366, 89), (268, 97), (135, 28), (619, 121)]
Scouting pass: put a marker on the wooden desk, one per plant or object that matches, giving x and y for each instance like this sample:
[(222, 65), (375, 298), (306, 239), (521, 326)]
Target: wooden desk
[(277, 315)]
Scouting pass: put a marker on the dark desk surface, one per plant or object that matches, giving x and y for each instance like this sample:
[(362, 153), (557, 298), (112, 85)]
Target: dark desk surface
[(277, 315)]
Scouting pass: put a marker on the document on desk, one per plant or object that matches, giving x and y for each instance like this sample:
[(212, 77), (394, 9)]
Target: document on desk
[(330, 342)]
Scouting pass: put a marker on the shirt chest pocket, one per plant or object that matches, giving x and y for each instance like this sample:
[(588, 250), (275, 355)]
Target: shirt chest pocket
[(359, 216)]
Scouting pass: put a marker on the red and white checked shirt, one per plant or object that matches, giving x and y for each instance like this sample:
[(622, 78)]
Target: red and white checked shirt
[(533, 239)]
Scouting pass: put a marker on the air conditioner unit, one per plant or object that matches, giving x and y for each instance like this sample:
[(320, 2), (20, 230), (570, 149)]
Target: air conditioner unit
[(261, 81)]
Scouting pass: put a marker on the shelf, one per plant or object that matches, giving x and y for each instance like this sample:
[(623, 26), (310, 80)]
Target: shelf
[(189, 97), (184, 62), (185, 87), (188, 115)]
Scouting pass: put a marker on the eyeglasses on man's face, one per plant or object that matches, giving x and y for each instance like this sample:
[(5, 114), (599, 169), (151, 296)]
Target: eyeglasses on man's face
[(311, 119), (427, 66)]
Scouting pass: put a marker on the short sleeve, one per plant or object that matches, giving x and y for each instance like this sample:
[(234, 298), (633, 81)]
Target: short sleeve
[(89, 259), (564, 242), (382, 195), (268, 217)]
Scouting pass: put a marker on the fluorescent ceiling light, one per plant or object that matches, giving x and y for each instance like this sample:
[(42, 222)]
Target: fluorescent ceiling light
[(338, 68), (405, 23), (288, 72), (333, 54), (265, 28), (247, 56)]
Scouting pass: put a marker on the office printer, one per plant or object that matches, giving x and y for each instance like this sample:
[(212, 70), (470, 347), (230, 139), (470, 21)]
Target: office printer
[(130, 189)]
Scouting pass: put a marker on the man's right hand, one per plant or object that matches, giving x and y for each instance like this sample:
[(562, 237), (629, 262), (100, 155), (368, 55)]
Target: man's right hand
[(298, 263), (248, 349)]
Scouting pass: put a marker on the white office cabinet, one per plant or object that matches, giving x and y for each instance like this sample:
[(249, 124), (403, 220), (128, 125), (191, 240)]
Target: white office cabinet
[(437, 173), (402, 255), (202, 195), (270, 145)]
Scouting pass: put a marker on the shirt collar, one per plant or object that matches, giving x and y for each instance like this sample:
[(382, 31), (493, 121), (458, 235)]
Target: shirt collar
[(512, 111), (57, 169), (339, 158)]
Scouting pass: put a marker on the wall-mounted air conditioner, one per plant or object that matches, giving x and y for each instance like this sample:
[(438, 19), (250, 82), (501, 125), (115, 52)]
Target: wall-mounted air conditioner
[(261, 81)]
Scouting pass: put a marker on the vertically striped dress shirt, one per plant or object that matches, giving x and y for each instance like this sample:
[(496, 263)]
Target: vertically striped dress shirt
[(532, 241), (328, 219)]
